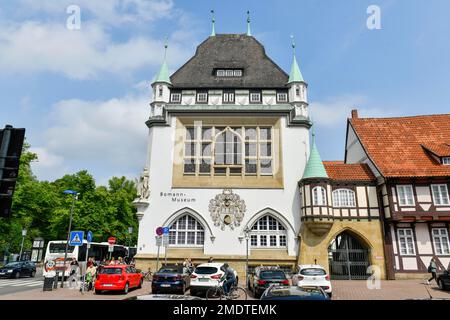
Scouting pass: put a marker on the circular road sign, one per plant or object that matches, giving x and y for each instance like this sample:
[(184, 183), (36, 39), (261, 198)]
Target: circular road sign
[(166, 230), (111, 240), (159, 231)]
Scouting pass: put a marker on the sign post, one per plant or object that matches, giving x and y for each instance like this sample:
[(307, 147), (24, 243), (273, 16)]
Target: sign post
[(159, 233), (111, 241), (89, 240), (75, 239), (165, 243)]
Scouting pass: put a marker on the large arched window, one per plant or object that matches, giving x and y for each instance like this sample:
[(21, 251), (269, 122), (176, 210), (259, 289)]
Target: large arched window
[(319, 196), (186, 231), (343, 198), (268, 232)]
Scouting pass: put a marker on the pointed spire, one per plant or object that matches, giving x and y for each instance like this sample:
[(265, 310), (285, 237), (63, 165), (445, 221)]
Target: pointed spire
[(249, 33), (314, 168), (163, 74), (213, 32), (295, 75)]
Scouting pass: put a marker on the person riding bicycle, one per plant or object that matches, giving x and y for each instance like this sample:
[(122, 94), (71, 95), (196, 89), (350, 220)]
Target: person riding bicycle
[(229, 276)]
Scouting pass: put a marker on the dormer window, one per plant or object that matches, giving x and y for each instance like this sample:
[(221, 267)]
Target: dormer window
[(255, 97), (202, 97), (175, 97), (282, 97), (446, 161), (228, 97), (229, 73)]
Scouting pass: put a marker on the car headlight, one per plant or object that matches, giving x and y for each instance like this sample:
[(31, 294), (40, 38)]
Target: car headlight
[(9, 271)]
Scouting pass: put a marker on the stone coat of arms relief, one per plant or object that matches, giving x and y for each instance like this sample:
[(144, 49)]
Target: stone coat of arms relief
[(227, 209)]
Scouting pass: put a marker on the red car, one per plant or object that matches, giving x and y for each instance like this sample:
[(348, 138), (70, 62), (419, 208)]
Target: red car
[(118, 278)]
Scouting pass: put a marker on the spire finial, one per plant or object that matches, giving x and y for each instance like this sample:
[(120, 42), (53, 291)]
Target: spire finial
[(313, 131), (293, 44), (249, 33), (213, 32), (166, 40)]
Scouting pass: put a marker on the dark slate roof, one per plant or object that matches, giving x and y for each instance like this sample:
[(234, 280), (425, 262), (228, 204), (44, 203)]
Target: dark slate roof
[(230, 51)]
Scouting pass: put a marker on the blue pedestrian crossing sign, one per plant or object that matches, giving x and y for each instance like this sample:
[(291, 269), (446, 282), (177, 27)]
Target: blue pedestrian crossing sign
[(166, 230), (76, 238), (89, 236)]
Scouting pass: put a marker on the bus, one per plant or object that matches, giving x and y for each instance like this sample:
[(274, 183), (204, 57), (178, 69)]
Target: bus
[(54, 255)]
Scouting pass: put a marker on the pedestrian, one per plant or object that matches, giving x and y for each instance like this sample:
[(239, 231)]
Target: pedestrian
[(432, 269), (73, 276), (112, 262), (120, 260), (90, 276)]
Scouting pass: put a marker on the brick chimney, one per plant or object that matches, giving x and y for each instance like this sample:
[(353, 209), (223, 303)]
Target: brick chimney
[(355, 114)]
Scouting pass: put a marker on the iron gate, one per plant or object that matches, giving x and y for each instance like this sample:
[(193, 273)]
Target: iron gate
[(348, 258)]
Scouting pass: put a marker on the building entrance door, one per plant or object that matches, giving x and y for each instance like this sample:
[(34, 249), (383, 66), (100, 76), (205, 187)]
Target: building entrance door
[(348, 258)]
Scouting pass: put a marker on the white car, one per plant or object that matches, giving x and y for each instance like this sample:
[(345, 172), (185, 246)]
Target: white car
[(312, 275), (205, 276)]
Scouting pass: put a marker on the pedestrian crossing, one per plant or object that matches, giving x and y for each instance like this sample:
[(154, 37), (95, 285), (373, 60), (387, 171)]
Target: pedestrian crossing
[(21, 282)]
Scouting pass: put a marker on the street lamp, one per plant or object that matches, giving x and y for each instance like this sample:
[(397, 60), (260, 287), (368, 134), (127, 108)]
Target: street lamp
[(24, 233), (74, 197), (247, 236)]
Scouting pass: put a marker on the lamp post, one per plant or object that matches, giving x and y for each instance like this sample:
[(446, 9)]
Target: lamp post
[(24, 233), (247, 237), (74, 197)]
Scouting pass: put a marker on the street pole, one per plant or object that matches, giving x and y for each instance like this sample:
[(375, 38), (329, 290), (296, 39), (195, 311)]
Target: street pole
[(24, 233), (247, 236), (85, 266), (75, 196), (157, 255)]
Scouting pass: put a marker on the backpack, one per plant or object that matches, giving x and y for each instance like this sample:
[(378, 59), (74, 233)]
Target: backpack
[(429, 268)]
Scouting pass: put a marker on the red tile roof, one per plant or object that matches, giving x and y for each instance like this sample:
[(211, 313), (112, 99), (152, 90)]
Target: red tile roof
[(395, 144), (439, 149), (337, 170)]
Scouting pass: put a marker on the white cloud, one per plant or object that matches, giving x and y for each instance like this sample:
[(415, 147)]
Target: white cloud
[(100, 136), (334, 112)]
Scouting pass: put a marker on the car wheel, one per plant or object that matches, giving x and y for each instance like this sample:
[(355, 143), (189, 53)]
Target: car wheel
[(183, 290), (140, 283), (17, 275), (193, 293), (97, 291), (127, 286), (33, 273)]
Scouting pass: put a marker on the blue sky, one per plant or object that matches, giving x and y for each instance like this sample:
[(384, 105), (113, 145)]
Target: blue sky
[(83, 94)]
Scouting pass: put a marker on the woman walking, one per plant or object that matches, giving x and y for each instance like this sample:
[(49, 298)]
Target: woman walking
[(432, 269)]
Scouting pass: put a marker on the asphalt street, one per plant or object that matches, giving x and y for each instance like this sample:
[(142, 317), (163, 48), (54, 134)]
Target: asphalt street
[(11, 286)]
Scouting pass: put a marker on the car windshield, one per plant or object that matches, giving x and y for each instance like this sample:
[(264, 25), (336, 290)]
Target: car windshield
[(272, 274), (313, 272), (295, 291), (60, 248), (14, 264), (169, 270), (206, 270), (110, 271)]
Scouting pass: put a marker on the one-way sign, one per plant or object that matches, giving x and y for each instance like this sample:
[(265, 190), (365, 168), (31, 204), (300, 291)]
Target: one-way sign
[(76, 238)]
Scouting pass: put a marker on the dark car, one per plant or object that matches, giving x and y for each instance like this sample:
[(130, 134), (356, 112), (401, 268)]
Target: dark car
[(164, 297), (443, 280), (294, 293), (171, 279), (18, 269), (264, 277)]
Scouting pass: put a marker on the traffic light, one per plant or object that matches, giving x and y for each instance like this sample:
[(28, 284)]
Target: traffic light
[(11, 143)]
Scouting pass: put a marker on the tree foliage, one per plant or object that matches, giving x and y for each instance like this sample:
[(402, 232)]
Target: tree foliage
[(43, 209)]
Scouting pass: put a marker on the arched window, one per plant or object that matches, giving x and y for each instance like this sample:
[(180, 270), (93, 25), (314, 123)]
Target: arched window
[(343, 198), (228, 152), (186, 231), (319, 196), (268, 232)]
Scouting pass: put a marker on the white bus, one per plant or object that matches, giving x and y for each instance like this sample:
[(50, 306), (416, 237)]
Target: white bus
[(54, 255)]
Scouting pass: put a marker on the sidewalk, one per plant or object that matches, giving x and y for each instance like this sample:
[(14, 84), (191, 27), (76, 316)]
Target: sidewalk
[(74, 294)]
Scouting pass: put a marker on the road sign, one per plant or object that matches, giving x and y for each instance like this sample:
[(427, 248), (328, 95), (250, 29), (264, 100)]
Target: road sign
[(76, 238), (166, 230), (158, 240), (111, 240), (165, 240), (159, 231), (89, 236)]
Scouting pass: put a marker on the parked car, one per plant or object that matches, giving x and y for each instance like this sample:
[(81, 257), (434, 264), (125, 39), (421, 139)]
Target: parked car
[(294, 293), (117, 278), (312, 275), (171, 278), (264, 277), (163, 297), (443, 280), (18, 269), (205, 276)]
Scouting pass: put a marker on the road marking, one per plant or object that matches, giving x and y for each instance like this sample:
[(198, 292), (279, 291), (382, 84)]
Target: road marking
[(27, 283), (20, 283)]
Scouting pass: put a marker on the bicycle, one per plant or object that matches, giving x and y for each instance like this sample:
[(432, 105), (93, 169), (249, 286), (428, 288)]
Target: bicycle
[(217, 292), (148, 275)]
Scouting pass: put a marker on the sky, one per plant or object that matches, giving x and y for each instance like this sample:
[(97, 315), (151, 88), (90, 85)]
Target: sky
[(83, 93)]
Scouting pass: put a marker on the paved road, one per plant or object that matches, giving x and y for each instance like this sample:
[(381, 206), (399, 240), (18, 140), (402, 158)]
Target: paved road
[(10, 286)]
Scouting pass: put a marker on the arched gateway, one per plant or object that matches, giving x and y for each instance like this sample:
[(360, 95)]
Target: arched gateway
[(348, 257)]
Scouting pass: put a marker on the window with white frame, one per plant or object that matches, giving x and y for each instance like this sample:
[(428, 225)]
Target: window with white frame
[(229, 72), (343, 198), (441, 242), (175, 97), (255, 97), (228, 97), (406, 241), (446, 161), (160, 91), (228, 151), (405, 195), (282, 97), (440, 194), (268, 232), (202, 97), (319, 196), (186, 231)]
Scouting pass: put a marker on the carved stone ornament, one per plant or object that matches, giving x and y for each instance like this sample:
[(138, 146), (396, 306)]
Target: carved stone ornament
[(143, 186), (227, 209)]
